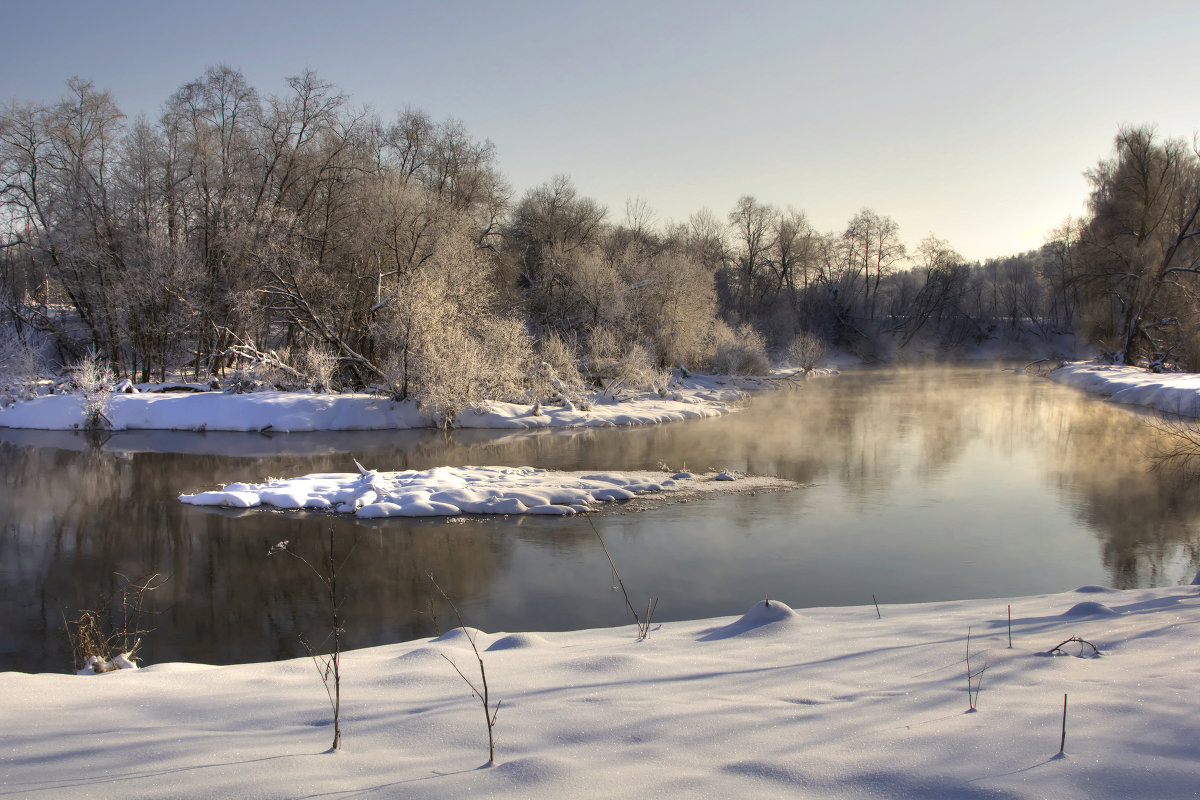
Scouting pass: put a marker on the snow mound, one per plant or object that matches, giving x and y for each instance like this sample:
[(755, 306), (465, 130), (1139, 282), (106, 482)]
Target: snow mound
[(518, 641), (522, 773), (1089, 608), (1093, 590), (459, 636), (765, 618), (421, 654), (1196, 580)]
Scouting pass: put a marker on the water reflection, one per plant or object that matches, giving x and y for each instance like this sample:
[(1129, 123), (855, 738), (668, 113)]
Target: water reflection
[(920, 485)]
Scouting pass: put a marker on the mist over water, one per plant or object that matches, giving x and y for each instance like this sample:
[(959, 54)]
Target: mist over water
[(919, 485)]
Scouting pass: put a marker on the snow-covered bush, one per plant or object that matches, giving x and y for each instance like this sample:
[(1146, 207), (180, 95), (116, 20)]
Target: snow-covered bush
[(740, 353), (556, 373), (465, 367), (319, 364), (95, 380), (105, 640), (635, 370), (603, 345), (507, 350), (806, 351)]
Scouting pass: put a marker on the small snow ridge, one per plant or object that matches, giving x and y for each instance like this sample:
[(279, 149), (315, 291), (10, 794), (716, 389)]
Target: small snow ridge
[(532, 770), (763, 618), (1093, 590), (726, 475), (461, 636), (421, 654), (1089, 608), (518, 641)]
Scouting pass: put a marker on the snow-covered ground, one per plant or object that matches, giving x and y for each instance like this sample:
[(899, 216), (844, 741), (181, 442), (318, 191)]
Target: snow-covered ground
[(820, 703), (451, 491), (1172, 393), (282, 412)]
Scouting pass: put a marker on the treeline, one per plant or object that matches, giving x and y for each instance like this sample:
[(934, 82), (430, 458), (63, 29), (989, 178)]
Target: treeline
[(353, 251)]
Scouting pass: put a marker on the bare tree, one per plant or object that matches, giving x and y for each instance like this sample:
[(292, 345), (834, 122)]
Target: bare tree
[(754, 228), (1142, 246), (874, 249)]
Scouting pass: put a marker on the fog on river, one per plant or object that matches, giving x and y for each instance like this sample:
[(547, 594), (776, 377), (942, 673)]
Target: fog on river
[(925, 485)]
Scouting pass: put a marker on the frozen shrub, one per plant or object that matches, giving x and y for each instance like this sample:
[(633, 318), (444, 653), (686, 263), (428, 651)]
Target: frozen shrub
[(740, 353), (463, 368), (94, 379), (507, 349), (635, 370), (320, 364), (556, 372), (806, 351), (444, 375), (603, 345)]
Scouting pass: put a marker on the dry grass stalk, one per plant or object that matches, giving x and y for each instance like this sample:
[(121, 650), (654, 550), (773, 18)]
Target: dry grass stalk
[(480, 691)]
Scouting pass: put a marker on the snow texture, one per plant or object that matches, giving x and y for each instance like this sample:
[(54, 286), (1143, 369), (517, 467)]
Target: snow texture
[(1172, 393), (451, 491), (693, 397), (815, 703)]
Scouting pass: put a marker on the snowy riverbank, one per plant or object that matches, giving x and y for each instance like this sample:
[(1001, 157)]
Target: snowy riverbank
[(1172, 393), (823, 702), (692, 397)]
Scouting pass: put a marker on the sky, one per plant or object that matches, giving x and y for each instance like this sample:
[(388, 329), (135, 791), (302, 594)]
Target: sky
[(975, 122)]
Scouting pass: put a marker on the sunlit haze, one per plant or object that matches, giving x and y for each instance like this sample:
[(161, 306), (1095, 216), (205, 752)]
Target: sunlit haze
[(972, 121)]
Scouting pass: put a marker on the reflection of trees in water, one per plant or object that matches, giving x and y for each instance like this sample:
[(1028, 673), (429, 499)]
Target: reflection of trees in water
[(1146, 519), (77, 518), (862, 432)]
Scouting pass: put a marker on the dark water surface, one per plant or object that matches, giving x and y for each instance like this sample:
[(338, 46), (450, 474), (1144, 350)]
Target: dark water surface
[(919, 485)]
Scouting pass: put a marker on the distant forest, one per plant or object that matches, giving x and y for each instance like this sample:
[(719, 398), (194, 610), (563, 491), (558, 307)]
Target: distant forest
[(333, 248)]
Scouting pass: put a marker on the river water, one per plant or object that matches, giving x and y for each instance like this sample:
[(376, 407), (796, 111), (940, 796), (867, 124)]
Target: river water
[(937, 484)]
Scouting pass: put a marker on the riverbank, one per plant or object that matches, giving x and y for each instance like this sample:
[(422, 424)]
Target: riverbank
[(1171, 393), (690, 397), (822, 702)]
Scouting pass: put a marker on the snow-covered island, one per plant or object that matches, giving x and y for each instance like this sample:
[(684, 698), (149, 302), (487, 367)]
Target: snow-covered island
[(819, 703), (453, 491)]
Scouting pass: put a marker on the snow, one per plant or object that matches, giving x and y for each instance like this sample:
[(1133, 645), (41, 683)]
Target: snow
[(693, 397), (451, 491), (809, 703), (1172, 393)]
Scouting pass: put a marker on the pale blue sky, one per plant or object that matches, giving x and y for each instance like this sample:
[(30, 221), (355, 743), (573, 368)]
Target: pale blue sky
[(970, 120)]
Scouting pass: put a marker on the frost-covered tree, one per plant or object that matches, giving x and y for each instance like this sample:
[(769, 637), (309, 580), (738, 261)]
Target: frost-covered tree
[(553, 229), (1141, 249)]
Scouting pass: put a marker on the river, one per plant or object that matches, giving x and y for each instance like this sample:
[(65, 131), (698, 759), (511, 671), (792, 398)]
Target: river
[(917, 485)]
